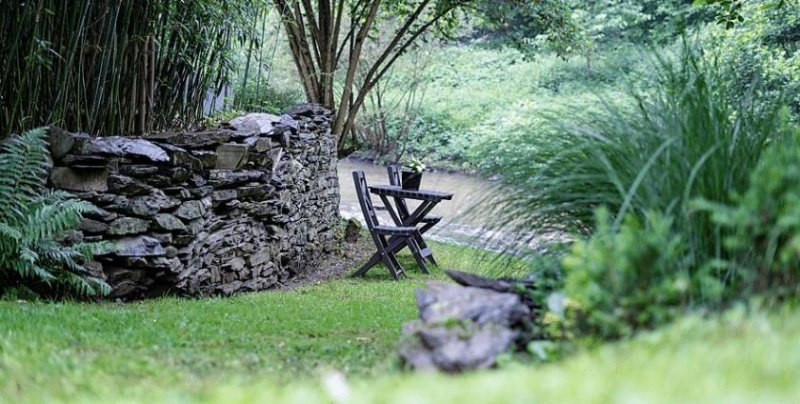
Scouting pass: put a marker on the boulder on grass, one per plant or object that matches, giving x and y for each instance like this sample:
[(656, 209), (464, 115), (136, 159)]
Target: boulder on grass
[(460, 328)]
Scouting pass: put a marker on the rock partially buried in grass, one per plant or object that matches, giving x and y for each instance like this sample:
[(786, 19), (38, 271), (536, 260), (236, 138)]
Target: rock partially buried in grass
[(352, 230), (460, 328)]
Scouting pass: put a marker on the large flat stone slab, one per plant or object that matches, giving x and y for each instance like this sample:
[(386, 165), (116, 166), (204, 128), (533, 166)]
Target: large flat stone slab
[(231, 156), (126, 147), (140, 246), (84, 180)]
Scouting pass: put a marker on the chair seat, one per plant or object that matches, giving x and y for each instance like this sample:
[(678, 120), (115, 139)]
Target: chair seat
[(431, 219), (395, 230)]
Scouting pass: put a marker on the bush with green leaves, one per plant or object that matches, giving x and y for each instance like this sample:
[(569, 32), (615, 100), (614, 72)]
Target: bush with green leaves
[(765, 45), (627, 278), (33, 219), (260, 97), (764, 222)]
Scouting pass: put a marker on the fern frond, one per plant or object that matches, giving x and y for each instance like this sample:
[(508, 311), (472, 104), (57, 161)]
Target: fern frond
[(32, 218), (48, 220), (10, 232), (77, 284), (23, 164)]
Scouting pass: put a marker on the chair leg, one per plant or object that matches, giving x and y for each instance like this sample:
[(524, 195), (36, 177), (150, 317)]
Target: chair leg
[(423, 245), (417, 253), (382, 248), (366, 267), (423, 248), (394, 267)]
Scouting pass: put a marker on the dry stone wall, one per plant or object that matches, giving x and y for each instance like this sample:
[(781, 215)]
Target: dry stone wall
[(241, 207)]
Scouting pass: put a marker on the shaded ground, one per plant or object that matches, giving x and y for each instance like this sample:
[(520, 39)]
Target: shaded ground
[(338, 264)]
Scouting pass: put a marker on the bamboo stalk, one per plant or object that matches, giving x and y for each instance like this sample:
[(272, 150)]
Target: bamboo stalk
[(112, 66)]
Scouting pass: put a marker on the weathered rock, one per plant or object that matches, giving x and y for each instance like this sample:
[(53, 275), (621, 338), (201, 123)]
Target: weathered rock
[(168, 222), (235, 264), (170, 264), (170, 252), (230, 288), (352, 230), (307, 110), (224, 195), (140, 246), (461, 328), (62, 142), (93, 226), (191, 210), (453, 347), (207, 158), (127, 185), (231, 156), (149, 205), (259, 144), (72, 179), (260, 257), (126, 147), (127, 225), (85, 161), (225, 178), (259, 123), (102, 215), (192, 139), (138, 170), (443, 301), (95, 269)]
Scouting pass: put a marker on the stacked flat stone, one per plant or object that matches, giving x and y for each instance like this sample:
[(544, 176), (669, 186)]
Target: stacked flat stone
[(241, 207)]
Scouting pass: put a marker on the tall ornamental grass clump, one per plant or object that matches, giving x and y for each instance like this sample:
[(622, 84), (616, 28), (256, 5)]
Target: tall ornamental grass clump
[(33, 220), (627, 180), (685, 136)]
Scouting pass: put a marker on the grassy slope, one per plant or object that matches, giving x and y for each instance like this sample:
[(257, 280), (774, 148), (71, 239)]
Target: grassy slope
[(276, 346), (73, 350)]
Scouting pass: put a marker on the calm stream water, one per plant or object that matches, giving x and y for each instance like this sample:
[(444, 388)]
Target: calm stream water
[(457, 226)]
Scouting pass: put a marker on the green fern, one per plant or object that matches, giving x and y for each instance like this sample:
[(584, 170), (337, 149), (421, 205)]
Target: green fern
[(32, 218)]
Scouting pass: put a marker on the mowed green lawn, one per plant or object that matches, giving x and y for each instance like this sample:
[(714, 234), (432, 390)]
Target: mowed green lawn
[(284, 346)]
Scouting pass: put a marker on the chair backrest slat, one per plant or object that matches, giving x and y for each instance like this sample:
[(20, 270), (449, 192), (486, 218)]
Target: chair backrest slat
[(394, 175), (396, 179), (367, 208)]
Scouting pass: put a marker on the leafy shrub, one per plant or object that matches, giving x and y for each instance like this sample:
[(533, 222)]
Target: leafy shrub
[(261, 97), (764, 247), (437, 138), (31, 221), (629, 279), (766, 45)]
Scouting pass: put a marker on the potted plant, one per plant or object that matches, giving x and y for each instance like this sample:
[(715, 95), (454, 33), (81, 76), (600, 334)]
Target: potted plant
[(412, 170)]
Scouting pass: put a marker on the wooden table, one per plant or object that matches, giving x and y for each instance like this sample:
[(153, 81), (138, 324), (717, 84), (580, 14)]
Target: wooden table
[(402, 217)]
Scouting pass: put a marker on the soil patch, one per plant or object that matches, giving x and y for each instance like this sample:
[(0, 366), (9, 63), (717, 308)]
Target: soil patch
[(338, 264)]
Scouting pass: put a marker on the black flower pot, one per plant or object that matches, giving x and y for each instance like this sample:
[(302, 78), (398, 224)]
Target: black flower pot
[(411, 180)]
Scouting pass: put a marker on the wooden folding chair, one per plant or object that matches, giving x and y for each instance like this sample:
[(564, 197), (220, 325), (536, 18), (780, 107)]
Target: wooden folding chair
[(402, 208), (388, 239)]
